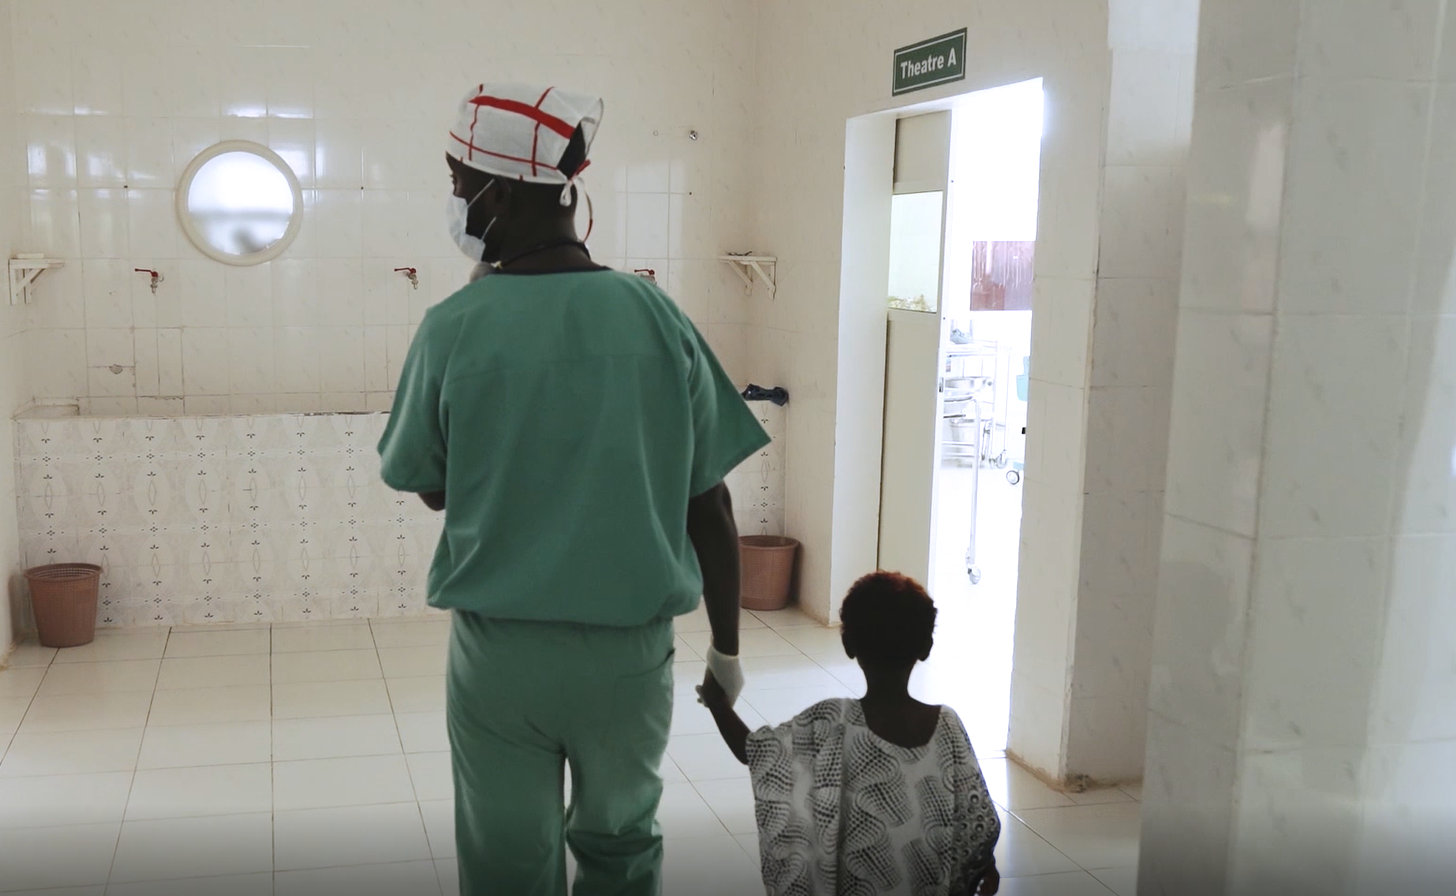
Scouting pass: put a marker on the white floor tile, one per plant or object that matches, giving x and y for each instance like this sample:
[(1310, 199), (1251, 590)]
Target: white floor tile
[(326, 665), (330, 698), (691, 717), (108, 677), (218, 643), (233, 885), (815, 641), (327, 838), (1015, 788), (1072, 883), (1133, 790), (774, 672), (751, 643), (683, 813), (57, 800), (423, 694), (334, 737), (30, 654), (1101, 796), (395, 879), (215, 743), (708, 866), (351, 781), (696, 621), (12, 710), (749, 844), (413, 662), (197, 706), (1020, 851), (704, 757), (449, 874), (187, 672), (1122, 881), (87, 712), (63, 753), (439, 816), (779, 705), (312, 636), (71, 856), (20, 681), (669, 771), (431, 775), (732, 801), (204, 790), (686, 675), (1095, 837), (684, 650), (145, 644), (216, 846), (789, 617), (432, 632), (423, 732), (846, 671)]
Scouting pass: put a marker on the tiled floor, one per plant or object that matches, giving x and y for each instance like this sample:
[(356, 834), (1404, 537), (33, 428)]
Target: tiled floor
[(312, 760)]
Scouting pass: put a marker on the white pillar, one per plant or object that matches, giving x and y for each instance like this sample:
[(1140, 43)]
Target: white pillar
[(1302, 734)]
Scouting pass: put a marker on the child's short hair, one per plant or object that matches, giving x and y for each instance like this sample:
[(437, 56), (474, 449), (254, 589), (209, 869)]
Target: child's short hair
[(888, 617)]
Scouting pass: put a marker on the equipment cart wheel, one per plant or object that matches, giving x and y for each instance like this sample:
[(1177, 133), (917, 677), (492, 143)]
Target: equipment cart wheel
[(975, 573), (1013, 476), (1001, 461)]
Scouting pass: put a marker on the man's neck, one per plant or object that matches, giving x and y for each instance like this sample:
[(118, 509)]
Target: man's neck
[(551, 247)]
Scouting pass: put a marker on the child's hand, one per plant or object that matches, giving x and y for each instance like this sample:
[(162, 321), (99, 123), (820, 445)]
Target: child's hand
[(990, 881), (711, 693)]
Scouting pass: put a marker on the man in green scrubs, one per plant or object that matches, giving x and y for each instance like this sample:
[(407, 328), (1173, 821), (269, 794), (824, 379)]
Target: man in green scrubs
[(575, 429)]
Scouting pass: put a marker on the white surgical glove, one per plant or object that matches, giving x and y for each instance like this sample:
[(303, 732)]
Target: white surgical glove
[(727, 672)]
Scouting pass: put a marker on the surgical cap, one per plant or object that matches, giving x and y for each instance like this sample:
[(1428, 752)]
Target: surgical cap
[(523, 132)]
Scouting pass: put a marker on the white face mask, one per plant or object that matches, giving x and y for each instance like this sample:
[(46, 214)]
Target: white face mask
[(457, 213)]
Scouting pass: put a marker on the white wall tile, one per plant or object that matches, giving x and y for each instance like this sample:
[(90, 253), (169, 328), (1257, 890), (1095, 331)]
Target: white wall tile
[(1236, 172), (1349, 223), (103, 224), (1396, 41), (1217, 432), (1246, 40), (1321, 478)]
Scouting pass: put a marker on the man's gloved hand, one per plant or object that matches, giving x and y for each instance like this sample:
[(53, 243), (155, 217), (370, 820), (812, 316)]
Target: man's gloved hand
[(726, 671)]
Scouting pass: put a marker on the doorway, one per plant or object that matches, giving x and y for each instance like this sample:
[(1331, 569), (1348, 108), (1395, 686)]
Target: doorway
[(957, 370)]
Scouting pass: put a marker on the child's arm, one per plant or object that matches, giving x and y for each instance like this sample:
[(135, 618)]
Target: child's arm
[(734, 731)]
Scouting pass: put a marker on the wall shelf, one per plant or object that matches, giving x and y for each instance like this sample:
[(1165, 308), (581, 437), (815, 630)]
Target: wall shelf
[(24, 271), (743, 264)]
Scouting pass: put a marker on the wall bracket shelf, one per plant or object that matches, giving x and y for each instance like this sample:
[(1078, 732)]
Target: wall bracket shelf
[(744, 264), (24, 271)]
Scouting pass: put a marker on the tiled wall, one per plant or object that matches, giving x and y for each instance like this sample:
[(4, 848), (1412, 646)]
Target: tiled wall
[(12, 329), (1301, 735), (199, 520), (114, 99), (757, 485), (1129, 360)]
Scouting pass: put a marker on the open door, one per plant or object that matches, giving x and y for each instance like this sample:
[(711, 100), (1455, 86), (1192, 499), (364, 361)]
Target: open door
[(913, 340)]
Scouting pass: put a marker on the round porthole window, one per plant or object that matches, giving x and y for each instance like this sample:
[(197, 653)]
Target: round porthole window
[(240, 203)]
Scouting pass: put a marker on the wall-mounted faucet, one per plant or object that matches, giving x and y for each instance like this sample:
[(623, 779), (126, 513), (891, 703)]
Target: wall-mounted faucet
[(156, 277), (410, 274)]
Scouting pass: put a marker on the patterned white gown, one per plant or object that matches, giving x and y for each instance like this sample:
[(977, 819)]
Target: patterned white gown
[(843, 812)]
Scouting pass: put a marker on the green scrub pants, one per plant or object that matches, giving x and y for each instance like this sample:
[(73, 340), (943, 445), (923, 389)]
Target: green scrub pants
[(523, 701)]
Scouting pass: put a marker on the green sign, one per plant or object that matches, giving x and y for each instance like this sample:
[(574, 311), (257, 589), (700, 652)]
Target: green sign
[(930, 62)]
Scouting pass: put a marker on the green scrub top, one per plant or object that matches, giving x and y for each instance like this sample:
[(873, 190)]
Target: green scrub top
[(568, 418)]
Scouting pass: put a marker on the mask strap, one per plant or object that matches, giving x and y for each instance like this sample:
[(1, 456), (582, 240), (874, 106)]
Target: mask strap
[(580, 183)]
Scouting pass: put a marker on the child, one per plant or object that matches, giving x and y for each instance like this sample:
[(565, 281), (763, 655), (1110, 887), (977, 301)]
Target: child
[(880, 795)]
